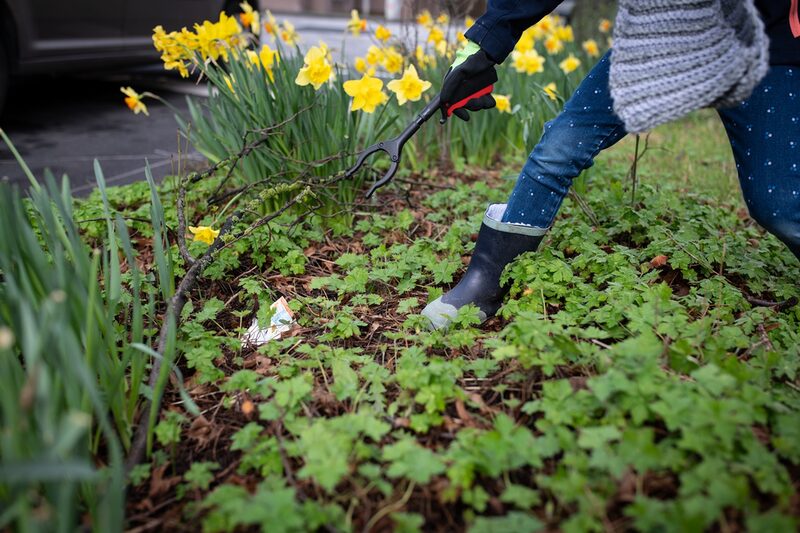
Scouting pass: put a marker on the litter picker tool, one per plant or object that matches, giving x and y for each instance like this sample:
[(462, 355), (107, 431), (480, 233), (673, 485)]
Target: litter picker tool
[(394, 147)]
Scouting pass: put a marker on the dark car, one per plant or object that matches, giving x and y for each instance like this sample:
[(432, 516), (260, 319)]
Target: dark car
[(53, 36)]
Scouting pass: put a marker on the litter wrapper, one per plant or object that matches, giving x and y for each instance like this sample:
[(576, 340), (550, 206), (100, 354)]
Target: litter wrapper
[(281, 322)]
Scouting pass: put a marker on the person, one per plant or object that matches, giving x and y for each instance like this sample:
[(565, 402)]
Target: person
[(763, 130)]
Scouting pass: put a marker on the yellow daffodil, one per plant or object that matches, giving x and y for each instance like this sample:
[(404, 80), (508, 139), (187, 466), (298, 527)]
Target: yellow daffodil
[(204, 234), (546, 24), (525, 43), (442, 19), (374, 55), (468, 22), (436, 35), (529, 62), (591, 48), (175, 47), (327, 51), (409, 88), (360, 65), (392, 61), (425, 19), (367, 93), (382, 33), (216, 39), (266, 57), (570, 64), (249, 18), (460, 37), (503, 103), (271, 25), (134, 100), (565, 34), (550, 91), (604, 26), (535, 32), (229, 83), (316, 68), (442, 49), (356, 24), (288, 33), (423, 59), (553, 45)]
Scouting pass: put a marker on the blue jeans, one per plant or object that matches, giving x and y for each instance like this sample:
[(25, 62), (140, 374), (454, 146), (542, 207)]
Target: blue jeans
[(764, 132)]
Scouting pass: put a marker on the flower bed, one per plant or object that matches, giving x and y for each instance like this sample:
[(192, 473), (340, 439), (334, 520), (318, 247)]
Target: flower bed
[(643, 377)]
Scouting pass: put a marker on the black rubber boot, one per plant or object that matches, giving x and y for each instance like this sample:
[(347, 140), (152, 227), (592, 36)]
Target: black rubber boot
[(498, 244)]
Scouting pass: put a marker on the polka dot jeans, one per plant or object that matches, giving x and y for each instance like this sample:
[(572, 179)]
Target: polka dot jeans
[(764, 132)]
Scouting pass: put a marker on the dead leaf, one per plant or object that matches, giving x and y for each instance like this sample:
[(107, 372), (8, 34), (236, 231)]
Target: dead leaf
[(160, 484), (463, 414), (658, 261)]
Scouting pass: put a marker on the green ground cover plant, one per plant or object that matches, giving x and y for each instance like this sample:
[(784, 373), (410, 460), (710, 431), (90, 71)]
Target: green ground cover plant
[(642, 375)]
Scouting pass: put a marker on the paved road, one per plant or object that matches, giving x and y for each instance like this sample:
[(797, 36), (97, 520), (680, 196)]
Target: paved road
[(65, 123)]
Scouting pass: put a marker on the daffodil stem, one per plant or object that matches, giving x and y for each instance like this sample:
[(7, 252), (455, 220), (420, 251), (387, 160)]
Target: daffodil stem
[(181, 207)]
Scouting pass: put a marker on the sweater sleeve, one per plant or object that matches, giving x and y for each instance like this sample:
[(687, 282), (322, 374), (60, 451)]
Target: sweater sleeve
[(498, 30)]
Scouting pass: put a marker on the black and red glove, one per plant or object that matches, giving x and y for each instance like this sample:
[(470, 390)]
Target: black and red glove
[(468, 83)]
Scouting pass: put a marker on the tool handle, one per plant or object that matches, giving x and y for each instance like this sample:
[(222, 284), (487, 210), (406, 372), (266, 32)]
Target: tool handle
[(462, 103)]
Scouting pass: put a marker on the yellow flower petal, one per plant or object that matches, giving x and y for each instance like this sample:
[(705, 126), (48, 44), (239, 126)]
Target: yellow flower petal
[(410, 87), (503, 103), (382, 33), (591, 48), (550, 91), (367, 93), (204, 234), (570, 64)]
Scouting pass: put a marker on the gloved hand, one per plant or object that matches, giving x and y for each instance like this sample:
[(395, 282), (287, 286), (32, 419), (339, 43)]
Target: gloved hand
[(472, 72)]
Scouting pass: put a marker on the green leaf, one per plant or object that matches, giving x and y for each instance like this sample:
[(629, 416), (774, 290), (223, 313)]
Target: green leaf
[(410, 460), (514, 521)]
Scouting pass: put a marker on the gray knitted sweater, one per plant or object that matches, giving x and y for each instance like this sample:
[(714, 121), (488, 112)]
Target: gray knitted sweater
[(671, 57)]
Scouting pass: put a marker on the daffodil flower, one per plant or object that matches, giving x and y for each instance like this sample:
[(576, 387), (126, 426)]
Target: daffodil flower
[(249, 18), (436, 35), (382, 33), (267, 58), (360, 65), (134, 100), (503, 103), (392, 61), (288, 33), (564, 33), (591, 48), (215, 39), (529, 62), (356, 24), (468, 22), (604, 26), (442, 19), (367, 93), (374, 55), (424, 59), (553, 45), (550, 91), (271, 25), (316, 69), (409, 88), (425, 19), (570, 64), (205, 234)]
